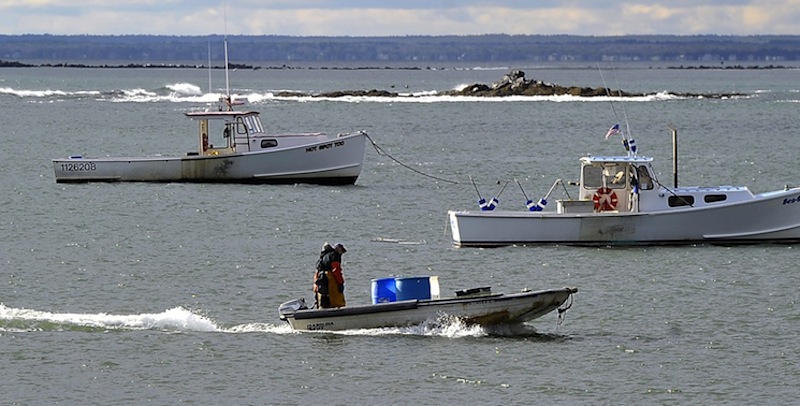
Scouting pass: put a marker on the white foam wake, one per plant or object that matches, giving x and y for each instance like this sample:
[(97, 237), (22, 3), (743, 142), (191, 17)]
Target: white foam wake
[(175, 319)]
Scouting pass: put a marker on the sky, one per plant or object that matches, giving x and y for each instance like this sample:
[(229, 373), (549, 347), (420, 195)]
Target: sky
[(399, 17)]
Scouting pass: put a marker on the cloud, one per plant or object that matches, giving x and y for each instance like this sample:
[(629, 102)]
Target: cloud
[(399, 17)]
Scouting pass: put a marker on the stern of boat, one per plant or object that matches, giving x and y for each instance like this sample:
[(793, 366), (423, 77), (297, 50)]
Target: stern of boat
[(454, 226), (287, 309)]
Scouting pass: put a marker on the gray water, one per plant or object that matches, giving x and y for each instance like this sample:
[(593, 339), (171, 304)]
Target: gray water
[(168, 293)]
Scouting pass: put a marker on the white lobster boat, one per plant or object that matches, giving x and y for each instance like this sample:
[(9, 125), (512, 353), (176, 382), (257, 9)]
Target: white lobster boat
[(620, 201), (474, 306), (232, 147)]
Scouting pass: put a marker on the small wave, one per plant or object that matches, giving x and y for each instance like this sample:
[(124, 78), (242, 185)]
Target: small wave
[(136, 92), (398, 241), (436, 97), (282, 328), (488, 68), (47, 93), (189, 93), (175, 319), (185, 89), (134, 96)]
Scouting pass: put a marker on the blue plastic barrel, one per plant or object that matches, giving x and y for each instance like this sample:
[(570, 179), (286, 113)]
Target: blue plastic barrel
[(383, 290), (418, 287)]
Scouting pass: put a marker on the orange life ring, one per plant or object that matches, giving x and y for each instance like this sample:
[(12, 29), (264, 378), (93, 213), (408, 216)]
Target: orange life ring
[(605, 199)]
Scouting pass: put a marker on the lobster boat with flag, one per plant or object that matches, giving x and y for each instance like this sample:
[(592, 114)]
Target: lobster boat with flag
[(620, 201)]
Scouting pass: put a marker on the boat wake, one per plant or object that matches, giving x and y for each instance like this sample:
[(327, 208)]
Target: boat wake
[(177, 319), (448, 327)]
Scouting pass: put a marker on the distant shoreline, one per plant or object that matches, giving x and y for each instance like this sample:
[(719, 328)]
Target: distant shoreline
[(709, 49), (17, 64)]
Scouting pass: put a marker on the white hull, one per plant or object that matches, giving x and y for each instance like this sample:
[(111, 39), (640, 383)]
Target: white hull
[(769, 217), (327, 161), (487, 310)]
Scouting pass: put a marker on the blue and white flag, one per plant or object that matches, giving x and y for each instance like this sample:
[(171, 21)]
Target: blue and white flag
[(630, 145)]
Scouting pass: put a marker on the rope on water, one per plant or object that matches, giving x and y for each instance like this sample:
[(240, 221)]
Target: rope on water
[(381, 152), (562, 312)]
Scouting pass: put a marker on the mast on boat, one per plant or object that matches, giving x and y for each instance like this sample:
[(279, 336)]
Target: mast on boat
[(228, 100)]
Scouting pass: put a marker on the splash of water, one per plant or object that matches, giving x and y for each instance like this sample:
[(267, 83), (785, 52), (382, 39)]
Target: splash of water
[(175, 319)]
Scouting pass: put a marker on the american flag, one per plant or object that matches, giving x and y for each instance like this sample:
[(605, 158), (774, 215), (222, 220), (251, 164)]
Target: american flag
[(613, 131)]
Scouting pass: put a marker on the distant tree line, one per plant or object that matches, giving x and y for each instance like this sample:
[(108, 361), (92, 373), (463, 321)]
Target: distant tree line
[(429, 49)]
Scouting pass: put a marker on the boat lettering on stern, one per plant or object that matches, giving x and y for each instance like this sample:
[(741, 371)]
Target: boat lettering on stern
[(327, 325)]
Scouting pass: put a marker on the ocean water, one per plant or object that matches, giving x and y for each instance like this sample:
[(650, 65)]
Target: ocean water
[(167, 294)]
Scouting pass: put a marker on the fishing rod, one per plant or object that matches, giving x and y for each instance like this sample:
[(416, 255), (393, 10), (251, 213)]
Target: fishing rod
[(528, 202), (523, 190), (481, 201)]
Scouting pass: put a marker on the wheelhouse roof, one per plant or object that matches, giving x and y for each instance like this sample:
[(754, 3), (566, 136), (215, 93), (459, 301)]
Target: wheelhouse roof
[(616, 159), (200, 115)]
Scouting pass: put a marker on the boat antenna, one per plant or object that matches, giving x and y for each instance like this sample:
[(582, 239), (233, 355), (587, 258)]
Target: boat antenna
[(628, 142), (608, 92), (209, 67), (225, 42), (622, 104), (627, 135)]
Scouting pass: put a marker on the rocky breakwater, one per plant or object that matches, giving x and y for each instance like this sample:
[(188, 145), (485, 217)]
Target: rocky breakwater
[(512, 84), (515, 84)]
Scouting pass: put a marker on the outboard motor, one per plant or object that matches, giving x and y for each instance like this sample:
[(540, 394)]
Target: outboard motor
[(288, 308)]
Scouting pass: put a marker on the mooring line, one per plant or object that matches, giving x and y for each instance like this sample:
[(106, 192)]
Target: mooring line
[(381, 152)]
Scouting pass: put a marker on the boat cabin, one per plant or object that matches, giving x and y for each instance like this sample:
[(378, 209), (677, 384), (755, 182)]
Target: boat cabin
[(610, 184), (618, 184), (226, 132)]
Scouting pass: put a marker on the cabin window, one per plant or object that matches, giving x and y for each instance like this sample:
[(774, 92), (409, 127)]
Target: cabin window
[(715, 198), (678, 201), (610, 175), (256, 124), (241, 126), (592, 177), (617, 177), (270, 143), (218, 134), (251, 125), (645, 181)]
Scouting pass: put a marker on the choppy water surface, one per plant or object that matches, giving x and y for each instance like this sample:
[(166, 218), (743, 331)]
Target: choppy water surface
[(168, 293)]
